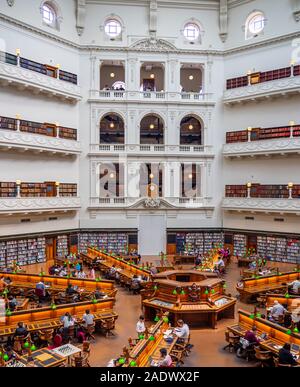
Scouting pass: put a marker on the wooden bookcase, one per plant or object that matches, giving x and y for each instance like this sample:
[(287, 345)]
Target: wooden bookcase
[(68, 189), (8, 123), (8, 190)]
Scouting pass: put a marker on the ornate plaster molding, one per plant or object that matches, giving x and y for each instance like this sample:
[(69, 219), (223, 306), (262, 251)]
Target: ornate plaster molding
[(13, 139), (159, 45), (262, 205), (14, 205)]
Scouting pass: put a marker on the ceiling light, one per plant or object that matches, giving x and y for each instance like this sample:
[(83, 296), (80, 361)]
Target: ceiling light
[(151, 176), (151, 126), (190, 176), (111, 125), (152, 76), (191, 127), (111, 175), (191, 77), (152, 188), (112, 75)]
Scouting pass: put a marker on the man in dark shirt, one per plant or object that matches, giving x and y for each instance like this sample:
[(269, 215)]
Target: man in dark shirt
[(21, 330), (70, 290), (285, 356)]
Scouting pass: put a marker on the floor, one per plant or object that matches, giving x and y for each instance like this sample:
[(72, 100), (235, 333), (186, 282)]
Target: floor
[(208, 343)]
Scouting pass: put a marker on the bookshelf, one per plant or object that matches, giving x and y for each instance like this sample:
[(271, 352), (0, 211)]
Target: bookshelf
[(198, 241), (278, 191), (67, 133), (8, 58), (239, 244), (293, 251), (11, 252), (233, 83), (115, 242), (239, 136), (8, 190), (236, 191), (272, 75), (68, 189), (33, 66), (62, 246), (296, 70), (33, 190), (8, 123), (68, 77), (2, 255)]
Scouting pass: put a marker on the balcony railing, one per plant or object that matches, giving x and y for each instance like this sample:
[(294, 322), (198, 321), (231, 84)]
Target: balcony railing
[(284, 191), (21, 189), (140, 202), (151, 149), (266, 205), (156, 96), (53, 72), (260, 134)]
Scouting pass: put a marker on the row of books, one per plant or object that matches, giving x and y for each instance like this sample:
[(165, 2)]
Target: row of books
[(115, 242), (9, 189), (200, 242), (22, 251), (262, 191)]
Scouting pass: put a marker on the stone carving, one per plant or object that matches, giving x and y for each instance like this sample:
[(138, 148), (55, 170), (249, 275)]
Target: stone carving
[(10, 2), (153, 44), (35, 141), (297, 15), (151, 203), (284, 145), (81, 12), (281, 86), (194, 293), (261, 204), (223, 20)]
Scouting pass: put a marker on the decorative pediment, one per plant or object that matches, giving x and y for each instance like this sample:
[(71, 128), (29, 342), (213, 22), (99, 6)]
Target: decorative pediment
[(153, 45), (152, 203)]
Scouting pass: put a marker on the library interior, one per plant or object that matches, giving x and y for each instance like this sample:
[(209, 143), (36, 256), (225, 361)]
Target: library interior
[(149, 183)]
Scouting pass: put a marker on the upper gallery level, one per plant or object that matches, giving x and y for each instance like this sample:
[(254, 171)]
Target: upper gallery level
[(150, 81), (27, 197), (38, 78), (263, 141), (263, 85), (252, 197), (23, 135)]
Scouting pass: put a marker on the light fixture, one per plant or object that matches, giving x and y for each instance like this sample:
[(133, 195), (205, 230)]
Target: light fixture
[(57, 183), (191, 127), (56, 123), (249, 129), (111, 175), (18, 116), (111, 125), (191, 77), (290, 185), (58, 66), (249, 185), (18, 182), (249, 72), (190, 175), (18, 52), (292, 123), (152, 188), (293, 62), (112, 75), (151, 176), (151, 126), (152, 76)]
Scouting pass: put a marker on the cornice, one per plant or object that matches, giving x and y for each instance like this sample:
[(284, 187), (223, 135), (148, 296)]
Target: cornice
[(94, 48)]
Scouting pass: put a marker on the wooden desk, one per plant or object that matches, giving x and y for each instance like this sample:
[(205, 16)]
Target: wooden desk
[(276, 334), (250, 287), (184, 259), (44, 358), (291, 303), (46, 318)]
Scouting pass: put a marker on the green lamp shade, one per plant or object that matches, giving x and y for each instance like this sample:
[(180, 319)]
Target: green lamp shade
[(174, 291), (296, 330), (258, 315), (206, 291), (141, 337), (132, 363), (224, 286), (5, 357), (122, 360), (288, 332), (97, 279), (155, 287), (165, 319), (151, 338), (53, 307), (26, 344), (287, 295), (33, 347), (8, 312), (252, 316), (212, 291), (156, 318), (182, 292), (95, 301)]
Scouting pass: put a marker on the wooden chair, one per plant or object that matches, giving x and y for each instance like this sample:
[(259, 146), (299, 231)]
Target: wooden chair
[(132, 342), (90, 330), (264, 357), (46, 335), (177, 357), (108, 325), (19, 342), (231, 340), (185, 346), (71, 333)]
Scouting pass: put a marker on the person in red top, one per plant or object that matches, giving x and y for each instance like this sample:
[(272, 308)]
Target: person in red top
[(251, 336)]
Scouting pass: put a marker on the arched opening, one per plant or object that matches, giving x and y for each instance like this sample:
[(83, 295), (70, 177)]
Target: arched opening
[(190, 131), (112, 129), (151, 130)]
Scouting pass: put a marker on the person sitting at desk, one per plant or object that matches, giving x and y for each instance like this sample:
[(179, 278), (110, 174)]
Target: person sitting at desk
[(164, 361), (112, 271), (87, 318), (21, 330), (250, 336), (12, 303), (98, 295), (285, 356), (92, 273), (276, 311), (295, 286), (182, 331), (40, 290), (140, 326), (136, 283), (67, 321), (78, 266), (63, 272), (198, 260), (81, 274), (70, 290), (252, 265)]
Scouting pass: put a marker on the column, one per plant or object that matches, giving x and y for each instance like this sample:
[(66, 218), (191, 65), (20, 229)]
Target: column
[(95, 76), (133, 179)]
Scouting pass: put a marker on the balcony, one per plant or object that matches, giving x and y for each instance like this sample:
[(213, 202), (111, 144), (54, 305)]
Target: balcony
[(262, 198), (152, 96), (263, 142), (146, 203), (38, 78), (152, 150), (28, 136), (29, 205), (263, 85)]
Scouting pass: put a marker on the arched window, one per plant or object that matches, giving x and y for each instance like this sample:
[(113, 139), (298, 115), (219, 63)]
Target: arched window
[(151, 130), (190, 131), (255, 24), (191, 31), (112, 129), (112, 28), (50, 14)]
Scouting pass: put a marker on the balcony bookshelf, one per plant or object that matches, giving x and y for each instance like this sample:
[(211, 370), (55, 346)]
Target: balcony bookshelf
[(45, 189), (262, 191)]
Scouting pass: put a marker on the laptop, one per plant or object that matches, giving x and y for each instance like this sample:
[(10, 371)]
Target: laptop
[(295, 349)]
